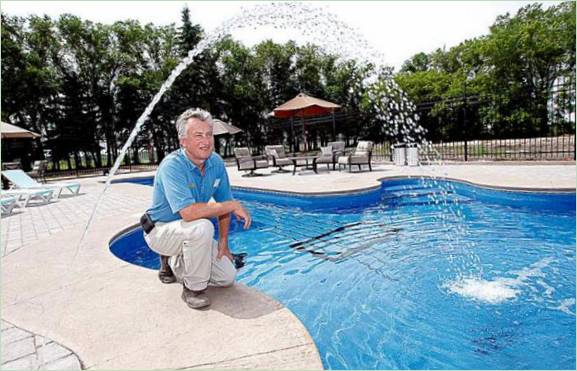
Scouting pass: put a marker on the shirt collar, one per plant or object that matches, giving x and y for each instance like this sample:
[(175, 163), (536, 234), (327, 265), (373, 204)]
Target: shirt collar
[(207, 164)]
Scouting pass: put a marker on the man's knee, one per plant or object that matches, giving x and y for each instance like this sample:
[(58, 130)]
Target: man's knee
[(227, 280), (204, 228)]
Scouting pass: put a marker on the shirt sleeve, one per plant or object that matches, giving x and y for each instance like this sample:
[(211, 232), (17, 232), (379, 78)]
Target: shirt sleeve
[(223, 191), (176, 188)]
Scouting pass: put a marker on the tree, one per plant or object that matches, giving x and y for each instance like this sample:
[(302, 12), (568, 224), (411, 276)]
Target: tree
[(189, 35), (513, 70), (528, 53), (29, 80), (418, 63)]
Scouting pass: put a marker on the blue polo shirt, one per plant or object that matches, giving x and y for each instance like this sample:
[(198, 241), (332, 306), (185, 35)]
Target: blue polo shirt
[(179, 183)]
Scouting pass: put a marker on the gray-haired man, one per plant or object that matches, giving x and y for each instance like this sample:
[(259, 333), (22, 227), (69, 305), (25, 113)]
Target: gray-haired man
[(177, 224)]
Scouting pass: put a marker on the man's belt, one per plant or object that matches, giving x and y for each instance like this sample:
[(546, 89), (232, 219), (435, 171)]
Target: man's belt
[(146, 223)]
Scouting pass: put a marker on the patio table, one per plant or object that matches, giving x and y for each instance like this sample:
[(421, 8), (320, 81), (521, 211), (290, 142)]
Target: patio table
[(308, 162)]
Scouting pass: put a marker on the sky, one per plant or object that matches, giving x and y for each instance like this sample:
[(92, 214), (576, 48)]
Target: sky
[(397, 29)]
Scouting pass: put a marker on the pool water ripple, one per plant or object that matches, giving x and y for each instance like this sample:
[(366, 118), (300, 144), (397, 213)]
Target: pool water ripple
[(466, 280)]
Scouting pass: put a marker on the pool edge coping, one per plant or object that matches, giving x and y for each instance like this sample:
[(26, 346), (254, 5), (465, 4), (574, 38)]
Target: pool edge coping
[(366, 189), (305, 332)]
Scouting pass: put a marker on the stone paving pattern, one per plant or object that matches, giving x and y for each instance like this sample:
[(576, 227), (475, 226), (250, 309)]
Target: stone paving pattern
[(30, 224), (23, 350)]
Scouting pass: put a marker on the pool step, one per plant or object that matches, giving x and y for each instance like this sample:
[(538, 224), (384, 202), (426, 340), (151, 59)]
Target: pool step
[(346, 240), (428, 201), (415, 193), (422, 196)]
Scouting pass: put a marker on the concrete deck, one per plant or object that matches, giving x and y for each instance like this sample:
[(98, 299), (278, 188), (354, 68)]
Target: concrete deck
[(519, 176), (115, 315)]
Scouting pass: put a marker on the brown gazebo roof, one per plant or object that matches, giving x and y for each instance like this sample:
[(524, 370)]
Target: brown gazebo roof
[(304, 106), (12, 131)]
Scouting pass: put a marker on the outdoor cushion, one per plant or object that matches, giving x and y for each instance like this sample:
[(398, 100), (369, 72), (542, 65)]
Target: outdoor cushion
[(283, 161), (364, 147), (353, 159), (252, 164), (358, 159), (326, 155), (261, 164), (344, 160), (246, 165), (338, 146), (328, 150), (277, 151), (242, 152)]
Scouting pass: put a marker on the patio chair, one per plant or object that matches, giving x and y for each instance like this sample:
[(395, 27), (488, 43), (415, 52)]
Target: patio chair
[(21, 180), (326, 157), (38, 170), (7, 204), (278, 156), (24, 196), (246, 162), (337, 148), (361, 156)]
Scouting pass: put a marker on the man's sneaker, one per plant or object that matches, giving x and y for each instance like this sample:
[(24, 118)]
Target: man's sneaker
[(165, 274), (195, 299)]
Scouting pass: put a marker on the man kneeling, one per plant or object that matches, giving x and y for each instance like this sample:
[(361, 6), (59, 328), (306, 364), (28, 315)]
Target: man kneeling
[(177, 225)]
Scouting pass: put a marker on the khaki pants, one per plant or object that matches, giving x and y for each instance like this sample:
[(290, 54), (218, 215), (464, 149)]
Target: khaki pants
[(192, 252)]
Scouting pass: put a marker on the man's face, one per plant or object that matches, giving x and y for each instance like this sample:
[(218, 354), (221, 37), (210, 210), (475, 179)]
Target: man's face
[(199, 141)]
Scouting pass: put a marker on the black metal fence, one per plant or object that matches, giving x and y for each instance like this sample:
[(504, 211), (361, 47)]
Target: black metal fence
[(134, 161), (559, 148), (472, 128)]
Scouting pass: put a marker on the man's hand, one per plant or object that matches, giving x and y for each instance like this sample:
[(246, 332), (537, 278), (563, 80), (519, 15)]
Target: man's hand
[(223, 251), (241, 213)]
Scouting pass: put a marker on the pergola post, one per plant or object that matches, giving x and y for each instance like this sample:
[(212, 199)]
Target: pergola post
[(334, 125), (293, 135)]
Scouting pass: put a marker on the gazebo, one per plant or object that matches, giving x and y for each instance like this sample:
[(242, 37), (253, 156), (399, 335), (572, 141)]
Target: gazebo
[(17, 146), (305, 106), (15, 132)]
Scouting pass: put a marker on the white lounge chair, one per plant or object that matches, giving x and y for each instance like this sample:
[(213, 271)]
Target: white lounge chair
[(21, 180), (7, 204), (24, 196)]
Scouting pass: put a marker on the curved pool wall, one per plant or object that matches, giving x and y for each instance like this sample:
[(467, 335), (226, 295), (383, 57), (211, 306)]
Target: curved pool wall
[(541, 200), (395, 304)]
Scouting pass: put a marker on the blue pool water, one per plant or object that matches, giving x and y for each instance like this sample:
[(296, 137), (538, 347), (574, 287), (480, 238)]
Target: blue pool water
[(418, 274)]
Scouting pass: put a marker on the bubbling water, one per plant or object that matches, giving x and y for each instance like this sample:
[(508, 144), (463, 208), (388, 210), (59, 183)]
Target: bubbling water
[(502, 289)]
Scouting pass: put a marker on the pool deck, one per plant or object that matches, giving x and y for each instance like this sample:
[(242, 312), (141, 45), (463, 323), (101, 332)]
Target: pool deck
[(115, 315)]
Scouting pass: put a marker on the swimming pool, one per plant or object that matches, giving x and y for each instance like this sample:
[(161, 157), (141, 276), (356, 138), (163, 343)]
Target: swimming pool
[(416, 274)]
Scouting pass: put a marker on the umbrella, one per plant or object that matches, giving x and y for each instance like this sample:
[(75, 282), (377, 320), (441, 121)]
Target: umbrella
[(305, 106), (220, 127), (11, 131)]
